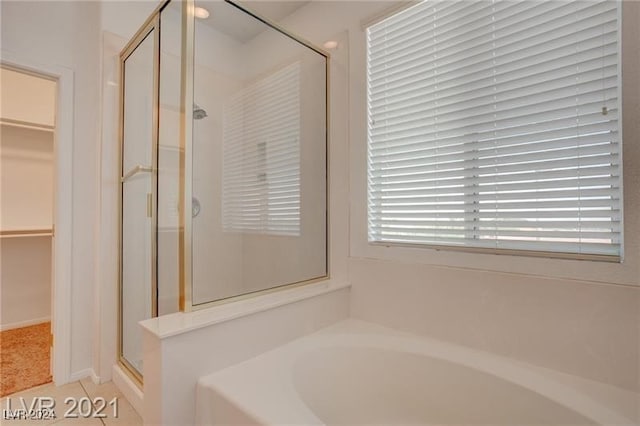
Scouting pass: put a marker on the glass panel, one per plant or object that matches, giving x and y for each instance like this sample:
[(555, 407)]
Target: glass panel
[(169, 159), (137, 224), (259, 157)]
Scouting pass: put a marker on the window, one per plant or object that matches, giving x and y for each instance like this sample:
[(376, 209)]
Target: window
[(495, 125), (261, 158)]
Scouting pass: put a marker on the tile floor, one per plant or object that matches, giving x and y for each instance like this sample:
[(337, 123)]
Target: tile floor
[(74, 392)]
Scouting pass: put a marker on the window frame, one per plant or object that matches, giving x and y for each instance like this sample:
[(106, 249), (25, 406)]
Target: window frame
[(624, 273)]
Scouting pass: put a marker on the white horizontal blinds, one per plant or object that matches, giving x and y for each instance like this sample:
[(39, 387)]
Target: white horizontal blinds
[(261, 158), (496, 125)]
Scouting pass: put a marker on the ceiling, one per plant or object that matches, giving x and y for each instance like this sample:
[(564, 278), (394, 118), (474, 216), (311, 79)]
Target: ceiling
[(231, 21)]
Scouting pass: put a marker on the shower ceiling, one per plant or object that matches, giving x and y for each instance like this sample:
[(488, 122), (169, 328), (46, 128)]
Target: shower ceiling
[(231, 23)]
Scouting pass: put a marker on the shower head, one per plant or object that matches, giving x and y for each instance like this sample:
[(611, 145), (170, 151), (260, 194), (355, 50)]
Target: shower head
[(198, 113)]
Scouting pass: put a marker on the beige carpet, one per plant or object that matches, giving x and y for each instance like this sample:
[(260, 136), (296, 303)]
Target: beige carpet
[(24, 358)]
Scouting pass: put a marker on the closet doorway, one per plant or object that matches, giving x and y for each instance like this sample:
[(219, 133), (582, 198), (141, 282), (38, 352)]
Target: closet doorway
[(27, 181)]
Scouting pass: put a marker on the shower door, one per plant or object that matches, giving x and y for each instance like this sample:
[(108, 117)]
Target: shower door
[(139, 121)]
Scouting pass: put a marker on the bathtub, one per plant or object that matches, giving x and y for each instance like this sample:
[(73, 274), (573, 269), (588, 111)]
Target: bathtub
[(358, 373)]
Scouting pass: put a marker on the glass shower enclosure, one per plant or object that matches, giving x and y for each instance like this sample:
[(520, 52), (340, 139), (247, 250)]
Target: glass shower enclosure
[(138, 183), (223, 162)]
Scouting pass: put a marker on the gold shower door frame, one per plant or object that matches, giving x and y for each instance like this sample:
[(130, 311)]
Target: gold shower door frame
[(150, 28)]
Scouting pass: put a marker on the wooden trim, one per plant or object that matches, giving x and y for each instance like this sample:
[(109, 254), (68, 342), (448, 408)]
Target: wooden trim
[(16, 233), (27, 125)]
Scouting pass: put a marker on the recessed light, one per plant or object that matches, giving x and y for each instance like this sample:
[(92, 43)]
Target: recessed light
[(201, 13), (331, 44)]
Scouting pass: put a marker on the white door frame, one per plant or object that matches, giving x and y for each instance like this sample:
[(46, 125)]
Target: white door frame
[(62, 210)]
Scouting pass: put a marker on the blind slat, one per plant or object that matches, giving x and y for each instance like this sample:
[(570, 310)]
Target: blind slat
[(261, 156)]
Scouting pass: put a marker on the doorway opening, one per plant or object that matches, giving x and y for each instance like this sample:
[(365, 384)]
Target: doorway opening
[(27, 188)]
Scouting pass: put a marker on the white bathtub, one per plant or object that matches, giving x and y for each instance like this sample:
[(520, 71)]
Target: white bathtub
[(357, 373)]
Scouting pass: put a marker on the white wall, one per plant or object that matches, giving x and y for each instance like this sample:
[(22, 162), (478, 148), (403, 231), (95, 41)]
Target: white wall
[(66, 34), (125, 18)]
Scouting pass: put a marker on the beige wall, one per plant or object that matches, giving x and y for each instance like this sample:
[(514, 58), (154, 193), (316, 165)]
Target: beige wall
[(26, 178), (26, 203), (581, 328), (26, 98), (25, 273)]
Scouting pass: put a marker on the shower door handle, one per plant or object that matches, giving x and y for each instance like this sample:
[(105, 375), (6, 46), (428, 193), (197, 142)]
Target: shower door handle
[(137, 169)]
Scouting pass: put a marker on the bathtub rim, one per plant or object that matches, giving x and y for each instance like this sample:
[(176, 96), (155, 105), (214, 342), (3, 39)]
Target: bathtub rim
[(561, 388)]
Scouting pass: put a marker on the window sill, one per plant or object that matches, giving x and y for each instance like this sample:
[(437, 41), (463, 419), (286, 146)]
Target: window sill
[(505, 252)]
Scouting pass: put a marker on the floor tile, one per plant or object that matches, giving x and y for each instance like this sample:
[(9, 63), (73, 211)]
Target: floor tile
[(84, 392), (127, 415), (79, 421), (64, 400), (106, 390)]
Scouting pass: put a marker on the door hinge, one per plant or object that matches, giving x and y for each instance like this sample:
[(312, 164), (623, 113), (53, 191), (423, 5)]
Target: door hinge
[(149, 204)]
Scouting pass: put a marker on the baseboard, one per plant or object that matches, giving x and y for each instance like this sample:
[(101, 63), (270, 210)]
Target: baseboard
[(95, 378), (129, 389), (27, 323), (79, 375)]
